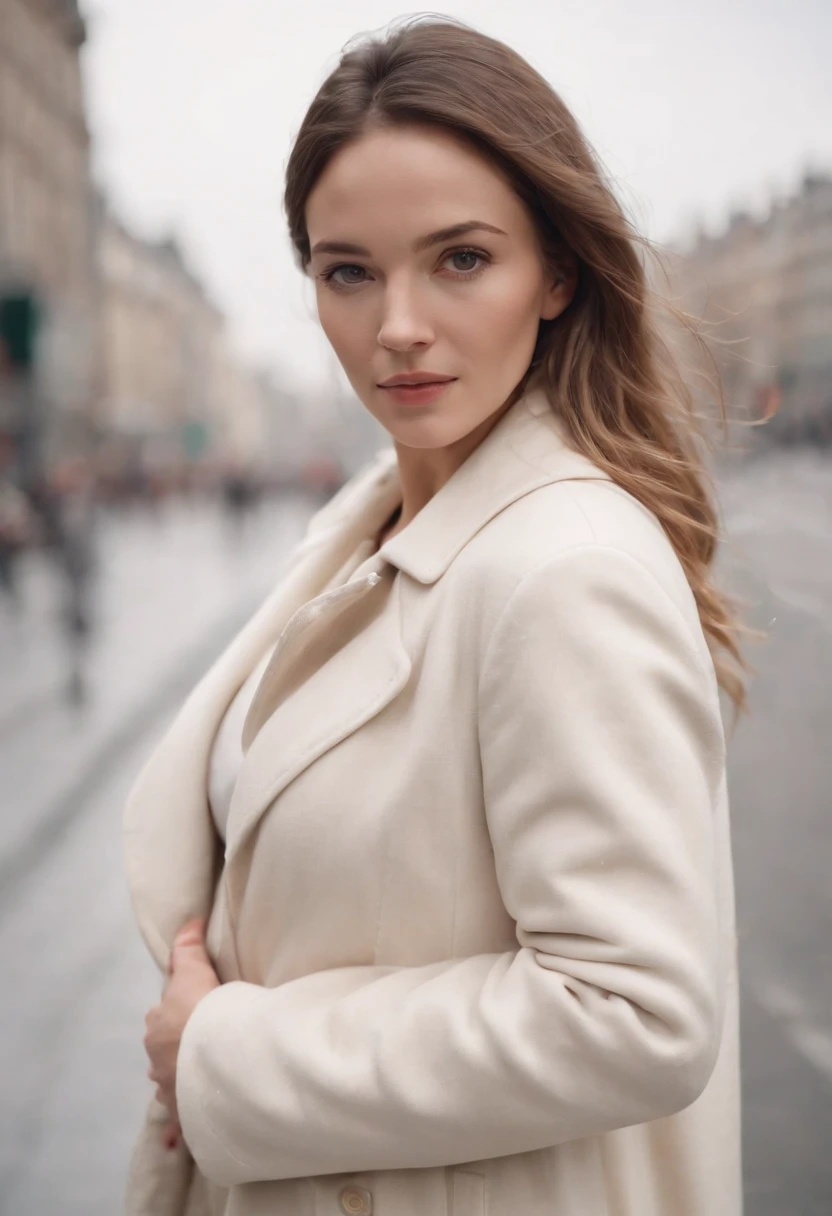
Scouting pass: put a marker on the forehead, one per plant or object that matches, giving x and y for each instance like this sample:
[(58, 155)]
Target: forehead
[(402, 182)]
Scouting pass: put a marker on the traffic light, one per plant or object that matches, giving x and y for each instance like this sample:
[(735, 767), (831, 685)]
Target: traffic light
[(19, 321)]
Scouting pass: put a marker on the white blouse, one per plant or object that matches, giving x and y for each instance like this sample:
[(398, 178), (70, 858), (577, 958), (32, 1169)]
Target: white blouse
[(227, 751)]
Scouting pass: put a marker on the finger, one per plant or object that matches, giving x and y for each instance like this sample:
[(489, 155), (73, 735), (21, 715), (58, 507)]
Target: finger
[(171, 1134), (189, 948), (192, 931), (148, 1036)]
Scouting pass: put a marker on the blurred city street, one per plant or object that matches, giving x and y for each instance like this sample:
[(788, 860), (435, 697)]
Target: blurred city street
[(174, 587), (77, 980), (779, 517)]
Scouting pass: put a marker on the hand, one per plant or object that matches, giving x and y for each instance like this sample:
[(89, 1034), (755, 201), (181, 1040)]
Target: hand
[(191, 976)]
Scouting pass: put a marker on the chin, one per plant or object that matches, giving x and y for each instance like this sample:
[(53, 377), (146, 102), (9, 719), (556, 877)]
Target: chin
[(430, 434)]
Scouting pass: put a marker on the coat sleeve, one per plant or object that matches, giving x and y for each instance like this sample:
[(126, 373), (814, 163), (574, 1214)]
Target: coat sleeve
[(602, 755)]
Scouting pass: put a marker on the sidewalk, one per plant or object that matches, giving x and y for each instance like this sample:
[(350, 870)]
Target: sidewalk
[(172, 590)]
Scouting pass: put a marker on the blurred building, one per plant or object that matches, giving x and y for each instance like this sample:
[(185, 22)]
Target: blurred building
[(160, 337), (46, 222), (245, 404), (764, 289), (177, 397), (131, 357)]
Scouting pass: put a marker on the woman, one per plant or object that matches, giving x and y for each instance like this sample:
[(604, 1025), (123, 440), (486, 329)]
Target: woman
[(453, 802)]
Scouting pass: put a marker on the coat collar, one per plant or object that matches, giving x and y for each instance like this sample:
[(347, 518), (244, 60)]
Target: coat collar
[(525, 450)]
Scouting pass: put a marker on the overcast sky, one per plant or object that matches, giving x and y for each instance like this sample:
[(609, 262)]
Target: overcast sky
[(694, 107)]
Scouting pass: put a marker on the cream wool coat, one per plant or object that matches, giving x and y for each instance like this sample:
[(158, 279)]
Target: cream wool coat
[(474, 918)]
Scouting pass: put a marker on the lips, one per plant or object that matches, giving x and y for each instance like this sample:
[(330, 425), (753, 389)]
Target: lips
[(405, 379), (405, 390)]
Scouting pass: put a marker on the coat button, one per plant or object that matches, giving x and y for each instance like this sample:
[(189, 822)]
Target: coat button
[(355, 1201)]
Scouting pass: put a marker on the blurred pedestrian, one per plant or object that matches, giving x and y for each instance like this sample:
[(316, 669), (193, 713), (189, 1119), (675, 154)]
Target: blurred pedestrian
[(236, 496), (16, 529), (74, 514)]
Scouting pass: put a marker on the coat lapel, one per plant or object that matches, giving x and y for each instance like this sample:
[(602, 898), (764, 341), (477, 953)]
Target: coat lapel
[(172, 852), (340, 676)]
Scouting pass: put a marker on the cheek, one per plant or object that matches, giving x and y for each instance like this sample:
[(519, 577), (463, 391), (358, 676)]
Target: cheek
[(347, 324), (503, 311)]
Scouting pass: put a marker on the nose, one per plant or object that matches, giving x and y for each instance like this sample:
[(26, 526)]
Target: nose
[(404, 323)]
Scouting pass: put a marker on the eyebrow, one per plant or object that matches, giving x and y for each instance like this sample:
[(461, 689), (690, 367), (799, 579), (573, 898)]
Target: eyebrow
[(422, 243)]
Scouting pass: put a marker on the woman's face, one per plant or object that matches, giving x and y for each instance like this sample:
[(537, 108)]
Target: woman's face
[(426, 262)]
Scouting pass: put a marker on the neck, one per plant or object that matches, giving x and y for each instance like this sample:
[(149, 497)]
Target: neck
[(423, 472)]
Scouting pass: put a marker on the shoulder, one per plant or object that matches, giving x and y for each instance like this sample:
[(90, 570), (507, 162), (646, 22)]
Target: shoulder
[(575, 543), (567, 518)]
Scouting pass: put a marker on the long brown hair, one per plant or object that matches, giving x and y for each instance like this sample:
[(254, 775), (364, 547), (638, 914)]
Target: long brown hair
[(604, 361)]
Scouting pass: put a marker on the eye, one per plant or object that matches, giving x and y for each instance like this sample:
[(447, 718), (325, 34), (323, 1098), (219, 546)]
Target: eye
[(345, 275), (467, 263), (466, 259)]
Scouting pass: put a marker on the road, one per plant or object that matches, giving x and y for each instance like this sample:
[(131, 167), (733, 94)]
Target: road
[(76, 975), (778, 516)]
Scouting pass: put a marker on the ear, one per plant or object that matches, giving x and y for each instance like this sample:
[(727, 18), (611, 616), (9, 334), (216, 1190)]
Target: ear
[(559, 288)]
